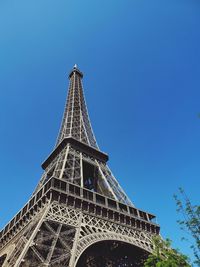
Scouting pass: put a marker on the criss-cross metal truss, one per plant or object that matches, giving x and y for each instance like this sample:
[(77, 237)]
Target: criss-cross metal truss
[(68, 166), (77, 203), (62, 226), (68, 163), (76, 121)]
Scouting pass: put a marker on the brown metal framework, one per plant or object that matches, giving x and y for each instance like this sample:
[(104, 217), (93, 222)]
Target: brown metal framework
[(77, 206)]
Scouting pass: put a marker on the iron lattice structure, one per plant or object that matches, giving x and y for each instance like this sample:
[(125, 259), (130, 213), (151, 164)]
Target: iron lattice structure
[(78, 208)]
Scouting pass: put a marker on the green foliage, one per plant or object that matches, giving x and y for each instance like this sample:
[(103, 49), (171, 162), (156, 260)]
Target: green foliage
[(190, 222), (164, 256)]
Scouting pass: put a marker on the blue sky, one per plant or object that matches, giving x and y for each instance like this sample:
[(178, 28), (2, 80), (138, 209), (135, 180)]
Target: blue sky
[(142, 78)]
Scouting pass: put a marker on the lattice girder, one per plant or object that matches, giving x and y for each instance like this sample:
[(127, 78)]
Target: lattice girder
[(59, 235), (77, 203), (69, 166), (76, 121), (94, 229)]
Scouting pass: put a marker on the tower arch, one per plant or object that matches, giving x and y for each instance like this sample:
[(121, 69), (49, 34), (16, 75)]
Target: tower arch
[(135, 239), (110, 252)]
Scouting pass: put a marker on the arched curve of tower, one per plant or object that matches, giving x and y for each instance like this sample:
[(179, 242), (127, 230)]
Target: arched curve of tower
[(116, 252)]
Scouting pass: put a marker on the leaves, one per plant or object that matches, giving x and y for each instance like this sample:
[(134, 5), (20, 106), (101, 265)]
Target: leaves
[(190, 222), (164, 256)]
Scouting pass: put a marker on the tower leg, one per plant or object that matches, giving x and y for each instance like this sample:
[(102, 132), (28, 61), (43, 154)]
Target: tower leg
[(28, 244), (72, 260)]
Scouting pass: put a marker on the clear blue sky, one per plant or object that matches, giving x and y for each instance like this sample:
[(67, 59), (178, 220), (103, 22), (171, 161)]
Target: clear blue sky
[(142, 84)]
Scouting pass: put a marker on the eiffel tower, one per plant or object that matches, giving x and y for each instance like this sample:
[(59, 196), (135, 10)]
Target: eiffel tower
[(78, 214)]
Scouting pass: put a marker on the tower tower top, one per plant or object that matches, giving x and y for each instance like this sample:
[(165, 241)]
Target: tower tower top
[(75, 70), (76, 122)]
